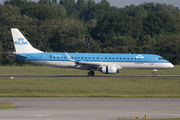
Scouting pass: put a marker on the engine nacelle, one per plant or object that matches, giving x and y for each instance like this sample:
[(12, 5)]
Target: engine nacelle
[(109, 70)]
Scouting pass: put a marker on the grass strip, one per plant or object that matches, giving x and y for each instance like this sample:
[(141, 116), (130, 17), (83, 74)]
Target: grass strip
[(91, 87), (44, 70), (7, 105)]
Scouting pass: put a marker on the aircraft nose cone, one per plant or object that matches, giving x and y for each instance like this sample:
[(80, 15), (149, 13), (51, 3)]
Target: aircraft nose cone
[(170, 65)]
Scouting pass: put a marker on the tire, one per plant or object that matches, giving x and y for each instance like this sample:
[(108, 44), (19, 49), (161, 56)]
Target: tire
[(154, 74)]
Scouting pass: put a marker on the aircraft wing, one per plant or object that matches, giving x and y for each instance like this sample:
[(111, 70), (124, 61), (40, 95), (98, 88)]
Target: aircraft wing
[(89, 65), (84, 65)]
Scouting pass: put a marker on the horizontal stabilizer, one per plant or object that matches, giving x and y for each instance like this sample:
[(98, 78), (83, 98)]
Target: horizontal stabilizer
[(12, 54)]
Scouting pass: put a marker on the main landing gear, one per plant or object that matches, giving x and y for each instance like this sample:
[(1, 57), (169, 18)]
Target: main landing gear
[(154, 72), (90, 73)]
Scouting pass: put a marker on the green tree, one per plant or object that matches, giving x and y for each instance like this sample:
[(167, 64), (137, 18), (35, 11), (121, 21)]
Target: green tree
[(158, 23), (40, 11), (177, 21), (95, 11), (116, 24), (151, 6), (54, 3), (71, 37), (157, 7), (129, 10), (46, 2), (170, 8), (16, 2), (141, 13), (148, 41), (62, 10), (80, 5), (68, 4), (9, 14)]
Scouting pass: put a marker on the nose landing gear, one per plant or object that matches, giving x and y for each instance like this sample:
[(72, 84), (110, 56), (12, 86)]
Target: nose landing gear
[(90, 73), (154, 72)]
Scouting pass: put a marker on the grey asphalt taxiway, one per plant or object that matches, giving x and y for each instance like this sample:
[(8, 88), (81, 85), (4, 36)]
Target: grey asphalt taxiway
[(82, 76), (90, 108)]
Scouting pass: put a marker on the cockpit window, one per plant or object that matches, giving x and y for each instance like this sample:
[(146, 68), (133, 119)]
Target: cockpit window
[(162, 59)]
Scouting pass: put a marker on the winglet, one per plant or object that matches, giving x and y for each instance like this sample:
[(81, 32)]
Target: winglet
[(70, 59)]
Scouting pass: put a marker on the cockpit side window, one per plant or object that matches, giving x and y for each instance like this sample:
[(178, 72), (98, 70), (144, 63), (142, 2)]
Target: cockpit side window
[(161, 59)]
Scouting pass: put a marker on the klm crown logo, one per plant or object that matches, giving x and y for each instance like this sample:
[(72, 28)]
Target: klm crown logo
[(20, 41)]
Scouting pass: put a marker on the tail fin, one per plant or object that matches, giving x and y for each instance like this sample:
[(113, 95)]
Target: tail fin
[(21, 44)]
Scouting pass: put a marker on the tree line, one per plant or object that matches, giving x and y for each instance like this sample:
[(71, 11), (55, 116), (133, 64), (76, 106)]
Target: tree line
[(87, 26)]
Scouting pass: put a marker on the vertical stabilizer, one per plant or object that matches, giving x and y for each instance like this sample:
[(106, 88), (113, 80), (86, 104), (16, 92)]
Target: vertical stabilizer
[(21, 44)]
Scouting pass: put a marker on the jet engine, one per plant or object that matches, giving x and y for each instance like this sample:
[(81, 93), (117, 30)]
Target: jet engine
[(109, 70)]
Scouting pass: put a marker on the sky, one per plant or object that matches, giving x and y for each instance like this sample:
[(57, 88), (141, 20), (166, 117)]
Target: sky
[(123, 3)]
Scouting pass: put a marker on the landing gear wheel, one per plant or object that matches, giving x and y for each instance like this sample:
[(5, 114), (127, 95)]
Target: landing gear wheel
[(154, 74), (91, 73)]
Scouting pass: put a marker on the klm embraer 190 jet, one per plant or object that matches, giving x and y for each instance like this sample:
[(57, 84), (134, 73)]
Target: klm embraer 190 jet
[(106, 63)]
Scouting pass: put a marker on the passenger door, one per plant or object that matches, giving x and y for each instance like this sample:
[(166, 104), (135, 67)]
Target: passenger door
[(152, 60), (45, 58)]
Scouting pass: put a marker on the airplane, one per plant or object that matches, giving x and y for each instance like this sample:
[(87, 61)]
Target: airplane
[(107, 63)]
